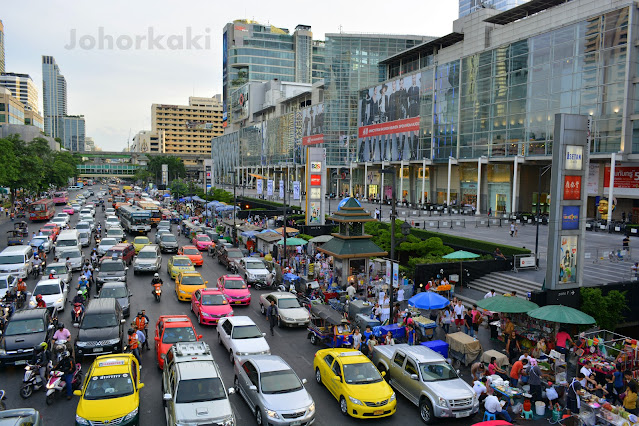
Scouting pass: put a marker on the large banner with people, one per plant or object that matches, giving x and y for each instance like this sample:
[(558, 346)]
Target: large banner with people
[(388, 120), (313, 125)]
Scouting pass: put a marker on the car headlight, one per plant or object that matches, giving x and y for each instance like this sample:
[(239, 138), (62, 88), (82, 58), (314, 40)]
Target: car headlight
[(81, 420), (238, 353), (3, 352), (311, 407), (183, 292), (272, 414), (131, 415), (80, 344), (393, 397), (59, 300), (443, 402), (205, 315), (355, 401), (32, 304), (113, 341)]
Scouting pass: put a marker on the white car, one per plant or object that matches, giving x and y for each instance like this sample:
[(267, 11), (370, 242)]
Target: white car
[(109, 212), (290, 313), (88, 219), (76, 258), (241, 337), (6, 282), (76, 207), (83, 226), (53, 292), (66, 217), (60, 221), (116, 232), (105, 245), (111, 221), (88, 211)]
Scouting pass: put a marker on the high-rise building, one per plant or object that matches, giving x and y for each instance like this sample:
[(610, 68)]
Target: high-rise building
[(148, 141), (74, 132), (11, 109), (54, 96), (33, 118), (2, 65), (469, 6), (22, 87), (89, 144), (257, 52), (188, 129)]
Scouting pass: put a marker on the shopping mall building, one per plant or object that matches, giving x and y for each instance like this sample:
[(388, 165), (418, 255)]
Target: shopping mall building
[(467, 118)]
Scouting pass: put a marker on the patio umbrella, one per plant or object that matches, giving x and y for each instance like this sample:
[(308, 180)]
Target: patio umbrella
[(508, 305), (460, 255), (292, 242), (428, 300), (561, 314)]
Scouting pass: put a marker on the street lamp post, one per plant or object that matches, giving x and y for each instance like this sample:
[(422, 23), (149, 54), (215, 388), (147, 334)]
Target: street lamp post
[(285, 178), (234, 207)]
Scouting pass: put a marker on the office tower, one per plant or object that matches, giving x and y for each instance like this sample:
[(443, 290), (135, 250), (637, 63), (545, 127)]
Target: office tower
[(54, 95)]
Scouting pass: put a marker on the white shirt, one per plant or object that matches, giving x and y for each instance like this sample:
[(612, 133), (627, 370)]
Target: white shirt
[(586, 372), (492, 405), (479, 388), (400, 295), (357, 341), (381, 296), (489, 294), (350, 290), (459, 310)]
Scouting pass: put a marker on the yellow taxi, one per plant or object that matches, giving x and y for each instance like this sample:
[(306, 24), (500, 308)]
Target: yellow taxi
[(355, 382), (140, 242), (188, 282), (177, 264), (110, 393)]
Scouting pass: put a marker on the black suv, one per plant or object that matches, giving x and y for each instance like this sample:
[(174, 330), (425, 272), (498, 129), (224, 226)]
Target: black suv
[(25, 330), (229, 258), (168, 243), (101, 329), (110, 270)]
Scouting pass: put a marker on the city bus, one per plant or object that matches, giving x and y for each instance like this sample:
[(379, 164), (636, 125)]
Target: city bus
[(156, 215), (61, 197), (41, 210), (135, 219)]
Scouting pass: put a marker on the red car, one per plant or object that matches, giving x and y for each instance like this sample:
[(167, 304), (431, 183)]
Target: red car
[(54, 230), (68, 210), (209, 305), (202, 242), (192, 253), (235, 289), (172, 329)]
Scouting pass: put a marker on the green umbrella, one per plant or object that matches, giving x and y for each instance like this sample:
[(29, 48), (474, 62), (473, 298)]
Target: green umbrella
[(460, 255), (561, 314), (506, 304), (292, 242)]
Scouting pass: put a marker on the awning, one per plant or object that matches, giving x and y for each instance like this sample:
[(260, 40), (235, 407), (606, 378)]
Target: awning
[(257, 176), (320, 239)]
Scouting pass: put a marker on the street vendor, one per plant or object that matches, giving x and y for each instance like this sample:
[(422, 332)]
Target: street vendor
[(561, 342)]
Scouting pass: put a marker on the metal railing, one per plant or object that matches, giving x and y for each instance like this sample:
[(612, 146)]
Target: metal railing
[(613, 254)]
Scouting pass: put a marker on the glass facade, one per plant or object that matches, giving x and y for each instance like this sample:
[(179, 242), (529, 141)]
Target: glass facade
[(1, 47), (54, 95), (466, 7), (74, 133), (107, 169)]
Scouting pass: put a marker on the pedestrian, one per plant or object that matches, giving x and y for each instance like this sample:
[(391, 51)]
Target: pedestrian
[(630, 400), (517, 371), (410, 334), (445, 318), (372, 342), (133, 345), (141, 323), (477, 319), (512, 229), (534, 381), (513, 349), (516, 229), (357, 339), (271, 316), (626, 242), (458, 310), (477, 370), (468, 324)]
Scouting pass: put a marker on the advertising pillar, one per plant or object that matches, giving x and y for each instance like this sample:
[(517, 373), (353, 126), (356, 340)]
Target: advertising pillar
[(316, 185), (567, 218), (165, 174)]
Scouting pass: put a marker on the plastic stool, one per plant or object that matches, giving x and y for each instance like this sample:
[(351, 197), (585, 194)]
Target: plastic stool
[(489, 416), (527, 414)]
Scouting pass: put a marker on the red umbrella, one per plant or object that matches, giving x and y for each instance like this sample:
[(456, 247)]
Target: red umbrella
[(494, 423)]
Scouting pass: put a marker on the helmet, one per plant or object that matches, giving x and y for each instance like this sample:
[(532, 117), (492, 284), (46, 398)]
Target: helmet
[(66, 354), (39, 297), (156, 275), (41, 347), (140, 313), (36, 256), (131, 331), (60, 325), (79, 293)]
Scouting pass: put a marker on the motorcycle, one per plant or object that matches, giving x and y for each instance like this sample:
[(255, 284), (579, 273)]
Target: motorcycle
[(36, 270), (59, 347), (21, 299), (77, 312), (6, 310), (32, 380), (56, 383), (157, 292)]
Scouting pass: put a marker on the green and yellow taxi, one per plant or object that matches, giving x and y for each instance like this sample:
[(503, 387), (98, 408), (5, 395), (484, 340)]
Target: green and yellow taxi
[(110, 393), (355, 382), (177, 264), (140, 242)]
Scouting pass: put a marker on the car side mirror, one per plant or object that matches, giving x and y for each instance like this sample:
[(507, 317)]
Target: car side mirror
[(126, 268), (253, 388), (263, 334), (249, 286), (122, 321), (167, 397), (231, 391), (414, 377), (77, 392), (141, 385), (304, 381), (383, 373), (199, 336), (206, 282), (458, 372), (337, 378), (157, 339)]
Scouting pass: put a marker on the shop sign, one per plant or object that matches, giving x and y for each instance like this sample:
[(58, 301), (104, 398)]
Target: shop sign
[(572, 187), (316, 180), (316, 166), (281, 189), (260, 188), (625, 177), (315, 193), (527, 262), (269, 187), (570, 218), (574, 157)]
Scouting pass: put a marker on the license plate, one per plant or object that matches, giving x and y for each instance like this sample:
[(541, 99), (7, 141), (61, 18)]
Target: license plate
[(300, 323), (98, 349), (296, 423), (237, 302), (462, 414), (21, 362), (378, 412)]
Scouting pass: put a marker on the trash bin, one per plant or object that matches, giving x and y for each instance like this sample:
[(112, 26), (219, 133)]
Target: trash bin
[(540, 408)]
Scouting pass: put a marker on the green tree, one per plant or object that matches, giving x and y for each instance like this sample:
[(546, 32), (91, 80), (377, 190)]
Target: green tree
[(9, 165), (142, 175), (176, 167), (178, 188), (607, 310)]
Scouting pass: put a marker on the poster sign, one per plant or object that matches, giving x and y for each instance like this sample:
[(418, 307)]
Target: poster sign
[(282, 189), (316, 186), (165, 174), (570, 218), (527, 262), (572, 187), (625, 177), (296, 190), (568, 259), (269, 187), (593, 179), (395, 274), (316, 166), (313, 125), (316, 180), (315, 193), (574, 157), (260, 186), (388, 272), (314, 213)]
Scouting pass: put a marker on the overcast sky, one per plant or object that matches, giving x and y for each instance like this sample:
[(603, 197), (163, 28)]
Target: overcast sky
[(114, 89)]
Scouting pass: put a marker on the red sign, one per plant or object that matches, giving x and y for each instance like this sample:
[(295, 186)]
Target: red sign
[(625, 177), (572, 187), (312, 140), (397, 126), (316, 180)]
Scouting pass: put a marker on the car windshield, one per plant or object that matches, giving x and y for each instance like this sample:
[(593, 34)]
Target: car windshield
[(4, 283), (234, 254), (143, 240), (168, 238), (164, 224), (288, 303), (114, 231), (46, 289), (112, 220), (214, 300), (283, 381), (58, 220), (246, 332), (111, 267), (84, 225), (113, 292), (203, 238), (147, 255), (254, 265), (10, 259), (234, 284), (98, 321), (192, 280), (361, 373), (26, 326), (73, 254), (437, 371), (200, 390), (67, 243), (38, 241), (178, 334), (108, 242), (57, 270), (84, 235), (181, 261), (191, 251), (107, 387)]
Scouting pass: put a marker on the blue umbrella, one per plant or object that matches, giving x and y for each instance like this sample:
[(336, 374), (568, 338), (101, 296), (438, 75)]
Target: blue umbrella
[(166, 195), (428, 300), (181, 200)]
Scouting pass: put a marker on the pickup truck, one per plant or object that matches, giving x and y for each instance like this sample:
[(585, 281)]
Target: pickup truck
[(425, 378)]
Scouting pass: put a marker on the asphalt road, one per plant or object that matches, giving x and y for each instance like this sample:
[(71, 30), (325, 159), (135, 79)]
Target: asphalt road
[(290, 344)]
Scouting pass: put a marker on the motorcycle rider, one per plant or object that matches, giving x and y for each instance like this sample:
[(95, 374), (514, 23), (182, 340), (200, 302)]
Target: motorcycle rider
[(133, 345), (67, 367), (63, 334), (40, 303), (141, 323), (79, 298), (37, 263), (41, 358), (156, 282)]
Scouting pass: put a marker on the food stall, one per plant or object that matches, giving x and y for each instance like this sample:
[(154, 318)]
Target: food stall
[(463, 348), (601, 412), (605, 349)]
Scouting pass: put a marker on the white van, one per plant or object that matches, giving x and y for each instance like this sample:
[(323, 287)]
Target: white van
[(67, 240), (17, 260)]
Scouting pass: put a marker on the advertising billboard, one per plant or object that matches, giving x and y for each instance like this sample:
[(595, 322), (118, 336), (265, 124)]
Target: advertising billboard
[(240, 103), (259, 186), (388, 120), (572, 187), (313, 125), (570, 218), (296, 190), (568, 259), (269, 187), (574, 157)]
